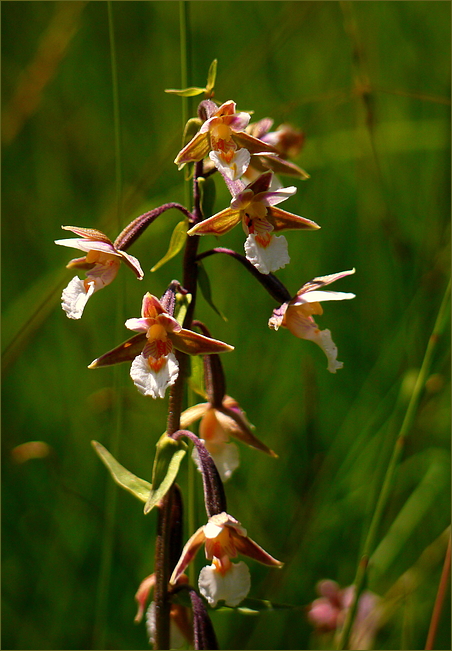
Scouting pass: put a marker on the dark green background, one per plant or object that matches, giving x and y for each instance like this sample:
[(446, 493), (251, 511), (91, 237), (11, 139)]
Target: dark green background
[(369, 83)]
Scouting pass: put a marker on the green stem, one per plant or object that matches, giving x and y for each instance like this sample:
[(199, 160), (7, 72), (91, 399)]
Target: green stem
[(385, 491), (103, 588), (185, 66)]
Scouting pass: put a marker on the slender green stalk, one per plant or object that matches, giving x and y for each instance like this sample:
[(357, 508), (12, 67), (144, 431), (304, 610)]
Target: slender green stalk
[(385, 491), (103, 588), (185, 67)]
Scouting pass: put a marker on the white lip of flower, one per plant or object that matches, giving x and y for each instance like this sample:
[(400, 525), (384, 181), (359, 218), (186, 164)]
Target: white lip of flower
[(269, 257), (232, 587), (76, 295), (236, 167), (152, 382), (296, 315)]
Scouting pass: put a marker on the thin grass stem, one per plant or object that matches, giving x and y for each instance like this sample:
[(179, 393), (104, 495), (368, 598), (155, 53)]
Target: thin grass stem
[(385, 491), (439, 601), (103, 587)]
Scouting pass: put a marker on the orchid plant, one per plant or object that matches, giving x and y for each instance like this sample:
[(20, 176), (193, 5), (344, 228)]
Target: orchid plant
[(219, 143)]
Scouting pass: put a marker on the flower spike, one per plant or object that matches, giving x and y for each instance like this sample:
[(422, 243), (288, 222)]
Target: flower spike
[(296, 314), (101, 263)]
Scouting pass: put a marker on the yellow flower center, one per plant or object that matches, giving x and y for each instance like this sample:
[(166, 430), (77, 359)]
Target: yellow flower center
[(156, 331)]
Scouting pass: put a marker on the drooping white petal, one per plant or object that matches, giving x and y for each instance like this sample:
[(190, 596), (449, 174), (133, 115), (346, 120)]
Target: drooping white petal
[(232, 587), (306, 328), (236, 168), (75, 297), (226, 459), (270, 258), (154, 383)]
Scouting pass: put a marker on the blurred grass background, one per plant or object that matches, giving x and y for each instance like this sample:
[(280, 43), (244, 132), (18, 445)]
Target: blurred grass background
[(369, 83)]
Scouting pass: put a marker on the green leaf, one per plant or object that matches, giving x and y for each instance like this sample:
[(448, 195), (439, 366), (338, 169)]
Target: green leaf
[(204, 284), (133, 484), (211, 76), (176, 243), (207, 191), (168, 457), (186, 92), (196, 379)]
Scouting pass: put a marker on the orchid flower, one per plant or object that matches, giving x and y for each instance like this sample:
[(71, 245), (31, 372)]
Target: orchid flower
[(287, 142), (223, 537), (328, 612), (215, 428), (181, 628), (101, 262), (254, 206), (223, 135), (154, 365), (296, 315)]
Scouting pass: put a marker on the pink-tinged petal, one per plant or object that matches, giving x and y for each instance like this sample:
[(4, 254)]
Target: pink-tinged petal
[(193, 343), (188, 554), (248, 547), (195, 150), (242, 200), (133, 263), (283, 220), (236, 425), (75, 297), (89, 245), (270, 258), (89, 233), (254, 145), (139, 325), (192, 414), (154, 383), (232, 587), (273, 197), (277, 317), (104, 271), (126, 352), (306, 328), (239, 121), (236, 168), (218, 224), (151, 307), (315, 296), (260, 128), (169, 323), (321, 281), (142, 596)]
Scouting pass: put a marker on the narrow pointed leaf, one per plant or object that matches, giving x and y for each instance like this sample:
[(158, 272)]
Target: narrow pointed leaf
[(211, 76), (251, 606), (140, 488), (168, 457), (186, 92), (204, 284), (176, 244)]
